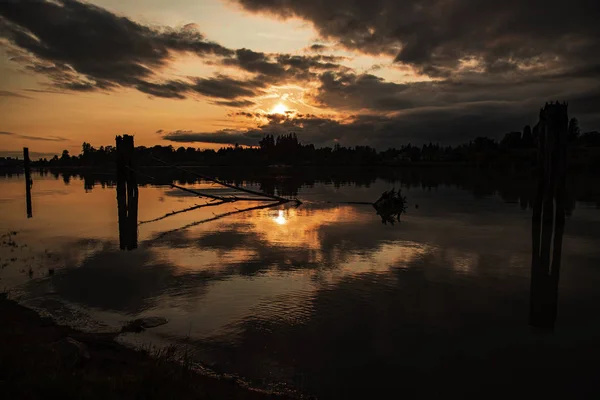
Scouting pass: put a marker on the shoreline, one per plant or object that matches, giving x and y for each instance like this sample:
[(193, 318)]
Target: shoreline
[(40, 359)]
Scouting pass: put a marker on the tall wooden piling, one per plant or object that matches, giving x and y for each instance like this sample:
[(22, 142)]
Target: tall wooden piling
[(548, 218), (28, 181), (127, 192)]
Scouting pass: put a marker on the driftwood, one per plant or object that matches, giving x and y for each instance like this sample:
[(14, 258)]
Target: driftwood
[(216, 203), (219, 216), (197, 193), (214, 180)]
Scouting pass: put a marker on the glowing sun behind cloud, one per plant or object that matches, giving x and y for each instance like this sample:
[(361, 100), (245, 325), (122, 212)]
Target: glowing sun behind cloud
[(279, 108)]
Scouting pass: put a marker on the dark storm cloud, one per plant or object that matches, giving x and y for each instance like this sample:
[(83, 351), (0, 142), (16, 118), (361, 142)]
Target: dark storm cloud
[(169, 90), (228, 88), (82, 47), (219, 86), (448, 125), (306, 63), (236, 103), (369, 93), (246, 114), (279, 68), (224, 136), (38, 138), (352, 91), (45, 91), (44, 139), (252, 61), (317, 47), (6, 93), (434, 35)]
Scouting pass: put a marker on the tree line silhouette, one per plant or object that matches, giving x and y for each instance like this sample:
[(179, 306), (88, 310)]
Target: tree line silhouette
[(516, 148)]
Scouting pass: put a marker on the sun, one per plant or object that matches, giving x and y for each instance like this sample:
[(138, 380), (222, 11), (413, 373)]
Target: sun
[(280, 108)]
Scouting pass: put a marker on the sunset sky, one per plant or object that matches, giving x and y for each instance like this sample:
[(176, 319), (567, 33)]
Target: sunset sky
[(206, 73)]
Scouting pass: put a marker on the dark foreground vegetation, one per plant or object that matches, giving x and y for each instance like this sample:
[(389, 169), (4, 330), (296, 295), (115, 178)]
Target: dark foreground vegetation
[(516, 148), (40, 360)]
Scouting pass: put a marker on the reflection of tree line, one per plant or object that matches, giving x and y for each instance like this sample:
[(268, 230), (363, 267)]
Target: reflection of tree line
[(512, 187)]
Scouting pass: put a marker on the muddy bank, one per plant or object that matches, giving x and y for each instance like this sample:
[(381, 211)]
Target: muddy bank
[(39, 359)]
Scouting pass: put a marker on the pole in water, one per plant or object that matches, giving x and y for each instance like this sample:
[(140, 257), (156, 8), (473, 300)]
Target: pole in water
[(132, 194), (548, 218), (28, 181), (127, 193)]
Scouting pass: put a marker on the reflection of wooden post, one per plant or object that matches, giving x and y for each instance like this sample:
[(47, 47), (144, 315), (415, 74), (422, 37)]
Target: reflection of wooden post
[(548, 215), (121, 193), (28, 181), (127, 192), (132, 193)]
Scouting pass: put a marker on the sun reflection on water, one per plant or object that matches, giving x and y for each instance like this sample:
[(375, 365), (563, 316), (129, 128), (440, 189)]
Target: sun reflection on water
[(280, 219)]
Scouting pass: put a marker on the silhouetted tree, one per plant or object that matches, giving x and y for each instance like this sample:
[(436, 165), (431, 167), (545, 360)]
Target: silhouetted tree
[(287, 149), (590, 139), (527, 139), (573, 130), (512, 140), (65, 158)]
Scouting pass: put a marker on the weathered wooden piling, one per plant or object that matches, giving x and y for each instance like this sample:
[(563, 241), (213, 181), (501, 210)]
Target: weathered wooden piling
[(127, 192), (28, 181), (548, 218)]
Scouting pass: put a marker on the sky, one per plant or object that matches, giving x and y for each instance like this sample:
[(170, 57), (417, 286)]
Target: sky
[(208, 73)]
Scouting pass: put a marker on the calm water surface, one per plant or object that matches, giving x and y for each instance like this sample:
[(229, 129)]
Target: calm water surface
[(323, 298)]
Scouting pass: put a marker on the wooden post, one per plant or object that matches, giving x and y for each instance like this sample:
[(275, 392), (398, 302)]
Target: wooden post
[(121, 193), (127, 192), (28, 181), (132, 192), (548, 218)]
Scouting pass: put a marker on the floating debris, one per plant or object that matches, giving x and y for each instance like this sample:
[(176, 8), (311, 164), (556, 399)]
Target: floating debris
[(390, 206)]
